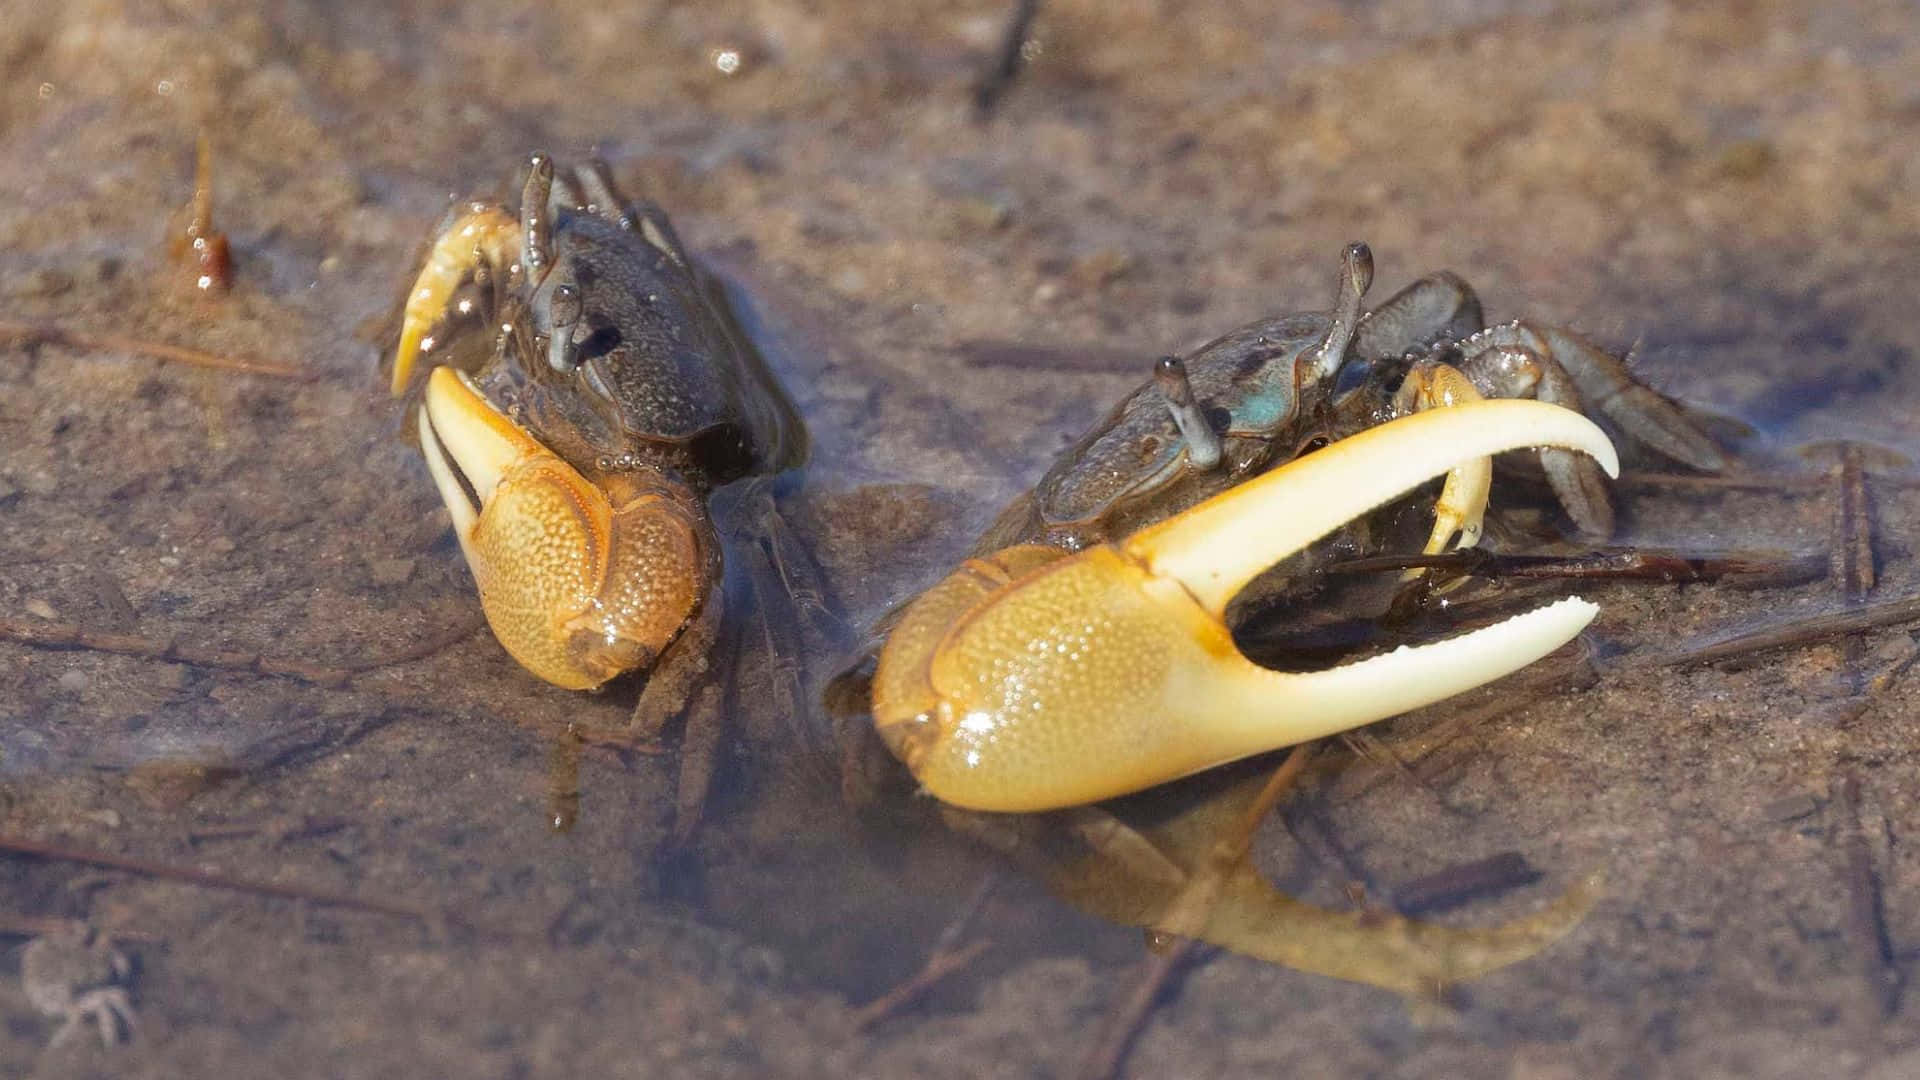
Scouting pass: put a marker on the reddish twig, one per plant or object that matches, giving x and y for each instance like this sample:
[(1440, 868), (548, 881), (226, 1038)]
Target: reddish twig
[(432, 917), (158, 350), (48, 635)]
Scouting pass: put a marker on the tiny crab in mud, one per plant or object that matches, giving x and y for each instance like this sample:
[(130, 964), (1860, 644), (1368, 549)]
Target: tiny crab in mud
[(75, 975), (1083, 653), (588, 389)]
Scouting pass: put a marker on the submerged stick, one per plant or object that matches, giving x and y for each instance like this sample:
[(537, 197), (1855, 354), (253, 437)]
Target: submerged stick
[(55, 635), (50, 333), (428, 916)]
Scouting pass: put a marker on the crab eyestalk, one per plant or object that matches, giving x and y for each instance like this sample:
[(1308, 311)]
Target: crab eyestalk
[(579, 581), (1203, 443), (1033, 679)]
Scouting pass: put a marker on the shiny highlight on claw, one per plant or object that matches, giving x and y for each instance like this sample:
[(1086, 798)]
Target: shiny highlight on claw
[(1034, 679), (580, 581)]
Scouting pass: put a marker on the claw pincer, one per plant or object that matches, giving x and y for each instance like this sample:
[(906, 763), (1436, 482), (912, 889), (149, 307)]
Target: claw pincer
[(1034, 679), (588, 391), (579, 581)]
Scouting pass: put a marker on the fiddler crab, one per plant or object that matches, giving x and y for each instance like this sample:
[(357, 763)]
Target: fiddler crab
[(588, 389), (75, 975), (1083, 652)]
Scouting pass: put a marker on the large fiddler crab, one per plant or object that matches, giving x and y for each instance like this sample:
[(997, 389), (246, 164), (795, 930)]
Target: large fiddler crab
[(588, 389), (1083, 652)]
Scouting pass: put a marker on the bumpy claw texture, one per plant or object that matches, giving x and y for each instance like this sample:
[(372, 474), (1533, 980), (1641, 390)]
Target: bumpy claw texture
[(580, 582), (1032, 680)]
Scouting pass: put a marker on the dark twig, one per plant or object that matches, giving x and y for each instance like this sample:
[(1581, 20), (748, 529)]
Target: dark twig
[(1721, 482), (1125, 1023), (1866, 910), (1000, 73), (1631, 564), (1174, 935), (1853, 546), (1457, 885), (1808, 631), (158, 350), (48, 635), (428, 916)]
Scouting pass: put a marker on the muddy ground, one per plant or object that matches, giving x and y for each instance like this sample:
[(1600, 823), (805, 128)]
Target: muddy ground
[(1731, 186)]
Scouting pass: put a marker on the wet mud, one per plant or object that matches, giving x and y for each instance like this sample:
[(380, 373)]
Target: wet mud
[(1728, 188)]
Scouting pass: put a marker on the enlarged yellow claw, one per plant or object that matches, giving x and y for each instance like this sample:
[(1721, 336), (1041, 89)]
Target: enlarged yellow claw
[(580, 581), (483, 235), (1034, 680)]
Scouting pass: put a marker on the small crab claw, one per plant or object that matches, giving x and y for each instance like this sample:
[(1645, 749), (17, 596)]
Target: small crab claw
[(1033, 680), (484, 236), (580, 581)]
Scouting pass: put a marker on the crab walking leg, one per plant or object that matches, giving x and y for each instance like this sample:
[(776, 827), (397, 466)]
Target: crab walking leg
[(1462, 506), (1033, 680), (484, 235)]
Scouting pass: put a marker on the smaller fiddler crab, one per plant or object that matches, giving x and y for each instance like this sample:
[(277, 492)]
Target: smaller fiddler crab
[(1083, 652), (588, 389)]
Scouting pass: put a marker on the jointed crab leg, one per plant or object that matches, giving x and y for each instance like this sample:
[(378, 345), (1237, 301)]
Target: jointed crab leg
[(1033, 680), (1462, 505)]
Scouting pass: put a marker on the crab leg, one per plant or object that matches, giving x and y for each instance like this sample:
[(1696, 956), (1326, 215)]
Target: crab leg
[(1462, 506), (1034, 680)]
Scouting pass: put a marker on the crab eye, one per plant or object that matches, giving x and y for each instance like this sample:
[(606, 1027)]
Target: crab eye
[(603, 340)]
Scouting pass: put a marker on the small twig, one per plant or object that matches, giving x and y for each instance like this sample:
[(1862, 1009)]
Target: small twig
[(159, 350), (1125, 1023), (1012, 49), (947, 958), (1866, 909), (55, 635), (1022, 356), (1853, 547), (1718, 482), (1456, 885), (1669, 567), (1808, 631), (1174, 935), (1422, 751), (1325, 847), (431, 917)]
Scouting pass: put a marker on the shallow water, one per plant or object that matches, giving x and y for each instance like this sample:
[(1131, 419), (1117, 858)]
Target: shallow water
[(1732, 187)]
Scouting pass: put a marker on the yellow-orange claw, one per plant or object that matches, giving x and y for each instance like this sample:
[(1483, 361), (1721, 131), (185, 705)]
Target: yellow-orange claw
[(483, 234), (580, 582), (1034, 680)]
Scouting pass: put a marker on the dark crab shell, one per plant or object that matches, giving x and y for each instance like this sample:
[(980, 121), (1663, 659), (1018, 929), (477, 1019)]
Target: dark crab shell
[(664, 377)]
